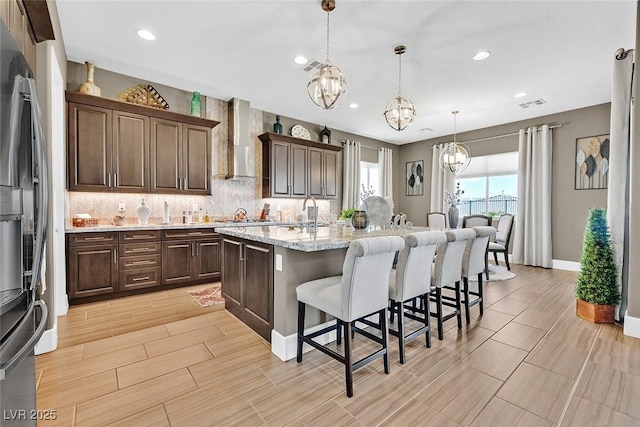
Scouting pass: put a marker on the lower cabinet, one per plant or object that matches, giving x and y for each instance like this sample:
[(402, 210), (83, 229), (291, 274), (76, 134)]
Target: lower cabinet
[(92, 270), (194, 256), (247, 283)]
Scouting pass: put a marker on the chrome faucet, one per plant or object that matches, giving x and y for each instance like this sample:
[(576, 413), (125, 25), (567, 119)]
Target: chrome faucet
[(313, 227)]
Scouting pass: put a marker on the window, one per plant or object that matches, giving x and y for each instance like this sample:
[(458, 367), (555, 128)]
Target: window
[(369, 176), (490, 185)]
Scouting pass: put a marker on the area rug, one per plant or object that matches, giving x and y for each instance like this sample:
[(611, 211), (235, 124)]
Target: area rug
[(497, 273), (207, 297)]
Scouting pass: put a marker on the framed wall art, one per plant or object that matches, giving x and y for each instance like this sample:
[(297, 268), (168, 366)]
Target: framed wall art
[(592, 162), (415, 178)]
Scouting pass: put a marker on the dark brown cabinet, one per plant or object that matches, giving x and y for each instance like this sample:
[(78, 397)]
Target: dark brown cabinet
[(140, 261), (117, 146), (247, 283), (297, 168), (92, 264), (191, 256)]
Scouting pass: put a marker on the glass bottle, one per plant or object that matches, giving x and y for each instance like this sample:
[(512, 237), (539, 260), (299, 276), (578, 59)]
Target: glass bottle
[(196, 104), (277, 127)]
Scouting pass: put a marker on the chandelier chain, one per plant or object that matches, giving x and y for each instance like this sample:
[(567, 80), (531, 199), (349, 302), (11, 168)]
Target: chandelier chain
[(400, 75), (327, 37)]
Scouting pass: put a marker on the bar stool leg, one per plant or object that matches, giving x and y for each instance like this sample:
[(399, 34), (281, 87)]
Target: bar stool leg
[(458, 307), (439, 312), (427, 314), (480, 294), (465, 290), (385, 339), (400, 308), (301, 312), (348, 364)]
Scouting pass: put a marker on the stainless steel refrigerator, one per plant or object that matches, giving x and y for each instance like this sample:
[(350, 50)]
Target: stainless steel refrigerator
[(23, 213)]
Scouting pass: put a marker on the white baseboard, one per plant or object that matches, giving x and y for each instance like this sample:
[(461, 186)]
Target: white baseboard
[(48, 341), (285, 347), (559, 264), (631, 326)]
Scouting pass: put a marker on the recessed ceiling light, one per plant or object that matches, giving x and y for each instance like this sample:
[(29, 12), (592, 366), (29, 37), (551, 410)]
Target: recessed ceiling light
[(426, 130), (481, 55), (147, 35), (520, 94), (301, 60), (353, 105)]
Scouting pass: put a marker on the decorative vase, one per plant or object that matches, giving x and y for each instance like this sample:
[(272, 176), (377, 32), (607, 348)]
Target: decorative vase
[(89, 87), (143, 211), (596, 313), (196, 104), (277, 127), (360, 220), (453, 216)]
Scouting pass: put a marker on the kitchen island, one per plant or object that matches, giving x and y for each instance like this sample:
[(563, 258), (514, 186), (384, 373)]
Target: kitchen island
[(263, 266)]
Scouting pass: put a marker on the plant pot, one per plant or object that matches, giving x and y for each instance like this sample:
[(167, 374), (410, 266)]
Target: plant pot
[(596, 313)]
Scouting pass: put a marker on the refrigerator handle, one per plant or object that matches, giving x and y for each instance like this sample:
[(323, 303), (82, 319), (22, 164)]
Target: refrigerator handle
[(5, 368), (40, 157)]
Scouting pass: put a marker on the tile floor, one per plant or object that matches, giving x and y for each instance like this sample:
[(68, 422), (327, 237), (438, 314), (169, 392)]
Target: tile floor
[(529, 361)]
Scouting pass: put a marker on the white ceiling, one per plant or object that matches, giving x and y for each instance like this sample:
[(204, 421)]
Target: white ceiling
[(560, 51)]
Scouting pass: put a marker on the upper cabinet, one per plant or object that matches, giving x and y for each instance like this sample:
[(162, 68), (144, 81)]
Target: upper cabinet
[(115, 146), (297, 168)]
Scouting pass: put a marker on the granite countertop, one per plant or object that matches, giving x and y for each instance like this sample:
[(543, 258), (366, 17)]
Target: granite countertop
[(327, 237), (104, 228)]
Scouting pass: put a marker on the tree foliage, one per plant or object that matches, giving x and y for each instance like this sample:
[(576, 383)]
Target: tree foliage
[(598, 278)]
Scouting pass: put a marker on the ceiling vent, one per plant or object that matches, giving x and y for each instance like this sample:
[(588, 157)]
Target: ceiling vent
[(538, 101), (312, 66)]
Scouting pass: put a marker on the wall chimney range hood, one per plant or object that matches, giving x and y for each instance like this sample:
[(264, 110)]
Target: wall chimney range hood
[(240, 156)]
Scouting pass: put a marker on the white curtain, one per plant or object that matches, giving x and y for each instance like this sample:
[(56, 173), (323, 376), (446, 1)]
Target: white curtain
[(441, 181), (351, 175), (385, 172), (618, 193), (532, 243)]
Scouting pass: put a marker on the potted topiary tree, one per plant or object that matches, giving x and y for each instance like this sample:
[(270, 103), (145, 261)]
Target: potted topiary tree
[(597, 288)]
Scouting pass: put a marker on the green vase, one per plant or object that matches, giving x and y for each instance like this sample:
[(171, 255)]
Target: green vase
[(277, 127), (196, 104)]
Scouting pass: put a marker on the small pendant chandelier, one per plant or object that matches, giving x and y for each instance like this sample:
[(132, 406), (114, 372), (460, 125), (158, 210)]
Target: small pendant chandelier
[(400, 111), (327, 85), (454, 157)]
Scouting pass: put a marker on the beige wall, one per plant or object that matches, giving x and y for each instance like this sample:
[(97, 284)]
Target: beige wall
[(569, 206)]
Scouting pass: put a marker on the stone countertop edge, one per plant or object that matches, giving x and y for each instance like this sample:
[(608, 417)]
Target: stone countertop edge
[(106, 228)]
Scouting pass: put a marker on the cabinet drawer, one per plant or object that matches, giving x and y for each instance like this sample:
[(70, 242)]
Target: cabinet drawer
[(128, 249), (131, 262), (140, 278), (139, 236), (189, 234), (79, 239)]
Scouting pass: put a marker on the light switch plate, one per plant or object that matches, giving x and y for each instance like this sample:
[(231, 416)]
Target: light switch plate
[(278, 262), (120, 207)]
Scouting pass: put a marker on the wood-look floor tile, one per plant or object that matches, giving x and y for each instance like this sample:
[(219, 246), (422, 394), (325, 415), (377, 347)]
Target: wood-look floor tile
[(576, 334), (139, 300), (460, 394), (63, 416), (612, 388), (226, 396), (176, 342), (521, 336), (468, 338), (140, 324), (152, 417), (66, 372), (613, 332), (616, 355), (491, 319), (501, 413), (197, 322), (496, 359), (416, 413), (85, 332), (57, 395), (107, 345), (65, 355), (278, 371), (173, 300), (144, 370), (380, 395), (510, 306), (86, 307), (131, 400), (537, 390), (558, 357), (527, 295), (537, 319), (328, 414), (583, 412), (227, 344), (430, 363), (113, 313)]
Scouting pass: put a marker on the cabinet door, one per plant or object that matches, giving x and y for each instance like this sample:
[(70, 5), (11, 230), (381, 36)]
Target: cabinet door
[(130, 152), (232, 272), (196, 153), (89, 148), (258, 288), (166, 156), (316, 173), (208, 257), (177, 265), (92, 270), (298, 164), (279, 169), (330, 173)]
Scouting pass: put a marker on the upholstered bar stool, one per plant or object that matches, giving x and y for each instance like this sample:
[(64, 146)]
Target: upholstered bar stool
[(447, 271), (362, 290), (479, 221), (473, 262)]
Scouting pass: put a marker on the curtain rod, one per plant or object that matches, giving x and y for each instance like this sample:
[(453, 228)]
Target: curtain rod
[(502, 136), (344, 141)]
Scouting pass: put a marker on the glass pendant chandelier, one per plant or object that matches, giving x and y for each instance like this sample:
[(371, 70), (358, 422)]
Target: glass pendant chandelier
[(400, 111), (327, 85), (454, 157)]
